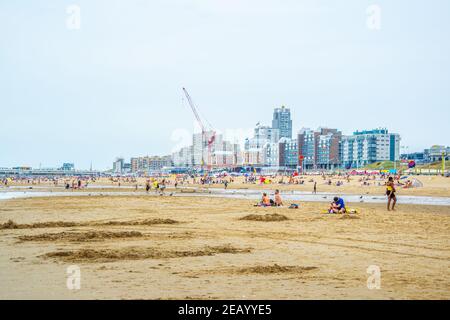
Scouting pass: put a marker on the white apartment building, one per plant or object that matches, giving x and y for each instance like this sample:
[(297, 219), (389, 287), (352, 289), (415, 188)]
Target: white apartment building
[(366, 147), (183, 157), (221, 153), (257, 147)]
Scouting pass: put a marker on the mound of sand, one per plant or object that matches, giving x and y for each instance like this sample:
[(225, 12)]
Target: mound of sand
[(51, 224), (266, 217), (9, 225), (275, 269), (347, 216), (146, 222), (67, 224), (81, 236), (108, 255), (187, 190)]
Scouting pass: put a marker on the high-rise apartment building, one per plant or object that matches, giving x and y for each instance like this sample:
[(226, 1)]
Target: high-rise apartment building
[(200, 153), (220, 153), (320, 149), (226, 154), (288, 150), (183, 157), (256, 148), (282, 121), (118, 165)]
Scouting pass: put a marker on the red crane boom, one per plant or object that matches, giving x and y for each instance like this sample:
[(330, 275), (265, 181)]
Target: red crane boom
[(204, 130)]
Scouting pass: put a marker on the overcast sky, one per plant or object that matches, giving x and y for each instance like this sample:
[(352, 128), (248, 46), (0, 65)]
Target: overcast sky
[(113, 86)]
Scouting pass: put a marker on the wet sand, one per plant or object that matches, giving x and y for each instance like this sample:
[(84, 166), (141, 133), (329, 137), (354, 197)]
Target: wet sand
[(433, 186), (146, 247)]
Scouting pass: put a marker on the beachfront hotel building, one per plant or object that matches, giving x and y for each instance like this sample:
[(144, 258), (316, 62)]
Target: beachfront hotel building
[(369, 146), (118, 165), (221, 153), (200, 153), (183, 157), (288, 153), (282, 121), (271, 155), (320, 149), (260, 150), (226, 154), (434, 154), (150, 164)]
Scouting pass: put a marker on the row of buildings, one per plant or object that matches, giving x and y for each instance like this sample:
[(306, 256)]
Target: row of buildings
[(433, 154), (324, 148), (219, 154), (276, 147), (141, 164), (67, 169)]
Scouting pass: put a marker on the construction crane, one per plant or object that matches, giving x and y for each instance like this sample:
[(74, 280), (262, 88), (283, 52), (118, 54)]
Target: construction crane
[(204, 129)]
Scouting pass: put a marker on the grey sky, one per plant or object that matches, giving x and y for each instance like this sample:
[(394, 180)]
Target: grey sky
[(113, 87)]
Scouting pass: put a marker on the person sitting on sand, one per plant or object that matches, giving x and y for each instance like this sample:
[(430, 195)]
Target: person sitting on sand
[(337, 206), (265, 202), (408, 184), (278, 200)]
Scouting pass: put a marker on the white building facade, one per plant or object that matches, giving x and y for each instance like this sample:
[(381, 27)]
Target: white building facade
[(366, 147), (259, 150)]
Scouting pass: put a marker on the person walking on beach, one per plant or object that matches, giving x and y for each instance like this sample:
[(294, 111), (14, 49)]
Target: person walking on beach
[(315, 187), (390, 192), (162, 186), (156, 185)]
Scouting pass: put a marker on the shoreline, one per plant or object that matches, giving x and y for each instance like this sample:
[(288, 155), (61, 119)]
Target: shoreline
[(252, 194)]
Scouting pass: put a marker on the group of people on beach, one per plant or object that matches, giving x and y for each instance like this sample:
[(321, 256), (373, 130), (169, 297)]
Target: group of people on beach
[(338, 204), (158, 186), (267, 202)]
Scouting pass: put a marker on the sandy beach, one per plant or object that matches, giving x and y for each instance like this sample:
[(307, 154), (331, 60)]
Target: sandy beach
[(151, 247), (251, 152)]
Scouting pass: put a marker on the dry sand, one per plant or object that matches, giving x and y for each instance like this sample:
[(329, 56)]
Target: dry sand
[(181, 248)]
